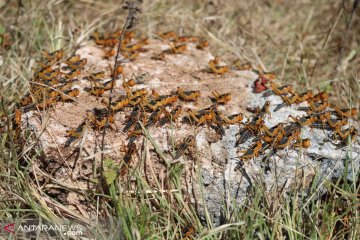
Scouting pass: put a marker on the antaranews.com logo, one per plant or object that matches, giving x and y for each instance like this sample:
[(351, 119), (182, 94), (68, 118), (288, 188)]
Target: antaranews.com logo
[(30, 228)]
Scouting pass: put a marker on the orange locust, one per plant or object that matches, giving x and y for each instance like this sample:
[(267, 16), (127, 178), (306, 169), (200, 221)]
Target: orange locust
[(96, 91), (287, 101), (120, 104), (176, 49), (267, 75), (118, 71), (215, 68), (107, 85), (77, 65), (131, 56), (274, 131), (136, 115), (318, 107), (136, 132), (264, 110), (172, 116), (128, 36), (187, 39), (202, 44), (305, 96), (321, 96), (242, 66), (168, 35), (326, 117), (162, 102), (187, 96), (303, 143), (74, 73), (136, 46), (26, 100), (274, 134), (344, 113), (17, 119), (137, 93), (154, 117), (252, 152), (64, 87), (343, 134), (57, 55), (249, 130), (203, 116), (304, 121), (76, 133), (221, 98), (107, 41), (68, 95), (183, 147), (99, 120), (278, 90), (232, 119), (73, 59), (128, 84), (109, 53), (188, 231), (49, 75), (287, 140), (42, 105), (131, 150), (348, 136), (292, 99)]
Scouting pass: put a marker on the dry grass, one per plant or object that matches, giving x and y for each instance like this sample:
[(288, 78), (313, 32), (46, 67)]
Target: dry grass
[(300, 41)]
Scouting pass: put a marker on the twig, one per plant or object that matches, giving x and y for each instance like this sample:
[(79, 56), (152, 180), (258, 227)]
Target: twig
[(130, 22), (348, 26)]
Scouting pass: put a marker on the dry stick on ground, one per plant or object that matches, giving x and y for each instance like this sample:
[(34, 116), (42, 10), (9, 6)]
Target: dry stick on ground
[(348, 26), (130, 22)]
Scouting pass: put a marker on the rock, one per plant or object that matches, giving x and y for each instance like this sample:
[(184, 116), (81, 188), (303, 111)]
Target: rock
[(209, 164)]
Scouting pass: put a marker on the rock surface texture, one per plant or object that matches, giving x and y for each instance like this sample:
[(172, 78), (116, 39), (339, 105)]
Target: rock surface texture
[(214, 171)]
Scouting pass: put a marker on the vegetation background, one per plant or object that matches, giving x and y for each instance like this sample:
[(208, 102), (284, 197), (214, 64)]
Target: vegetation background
[(310, 44)]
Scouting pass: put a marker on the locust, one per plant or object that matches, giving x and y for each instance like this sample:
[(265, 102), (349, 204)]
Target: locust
[(264, 110), (119, 104), (287, 101), (76, 133), (304, 121), (249, 130), (202, 116), (56, 55), (221, 98), (99, 120), (303, 143), (343, 134), (131, 150), (74, 73), (344, 113), (215, 68), (232, 119), (48, 76), (326, 117), (183, 147), (242, 66), (188, 96), (172, 116), (286, 141), (252, 152), (202, 44), (278, 90), (154, 117)]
